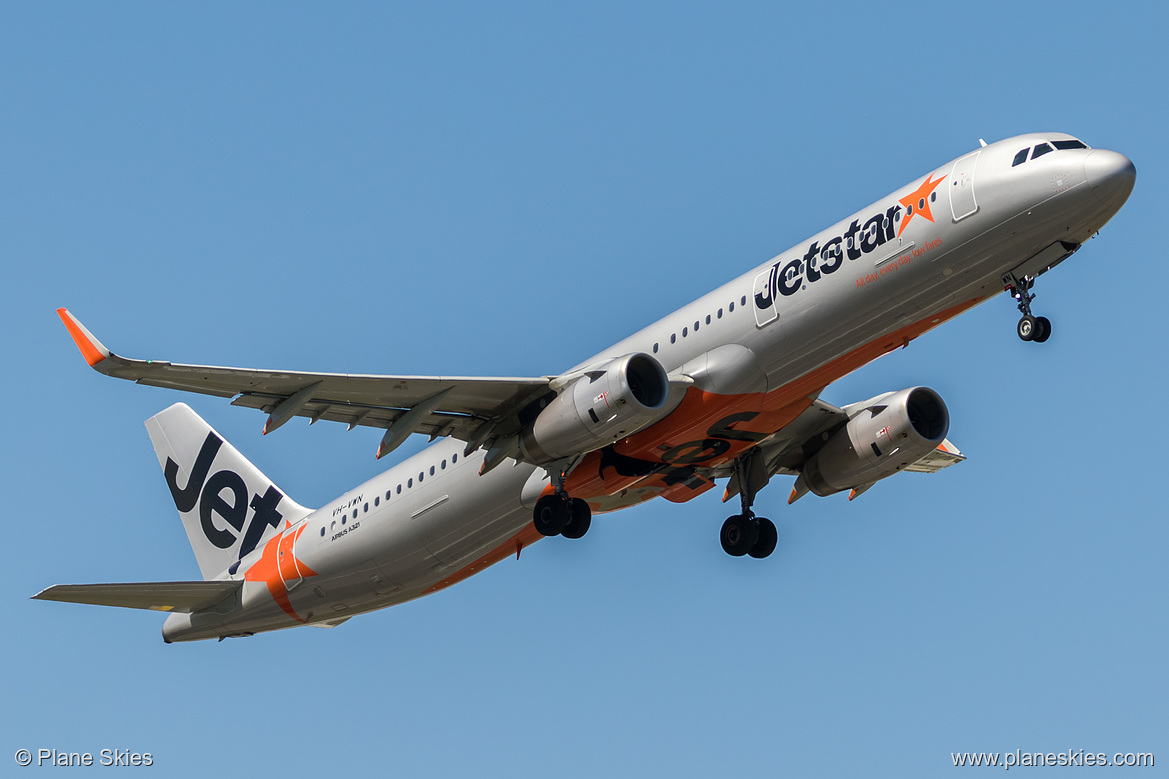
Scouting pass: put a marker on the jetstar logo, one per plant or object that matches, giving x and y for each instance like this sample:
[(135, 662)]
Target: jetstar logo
[(918, 203), (278, 566), (223, 494), (787, 277)]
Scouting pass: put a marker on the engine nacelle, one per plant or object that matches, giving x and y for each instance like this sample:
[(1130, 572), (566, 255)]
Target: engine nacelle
[(616, 400), (892, 432)]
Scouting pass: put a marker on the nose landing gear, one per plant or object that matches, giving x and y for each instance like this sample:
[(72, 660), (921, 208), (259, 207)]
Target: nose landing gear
[(1030, 327)]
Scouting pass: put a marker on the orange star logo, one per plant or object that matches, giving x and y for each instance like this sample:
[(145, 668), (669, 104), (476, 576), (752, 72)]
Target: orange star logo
[(917, 203), (277, 556)]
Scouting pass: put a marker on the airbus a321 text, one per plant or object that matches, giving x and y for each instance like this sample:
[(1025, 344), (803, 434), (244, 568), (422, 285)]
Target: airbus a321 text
[(726, 387)]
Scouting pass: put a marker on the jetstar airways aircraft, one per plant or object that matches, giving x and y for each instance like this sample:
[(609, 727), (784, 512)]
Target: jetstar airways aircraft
[(726, 387)]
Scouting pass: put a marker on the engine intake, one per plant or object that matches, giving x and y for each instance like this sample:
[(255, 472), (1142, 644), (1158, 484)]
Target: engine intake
[(892, 431), (611, 402)]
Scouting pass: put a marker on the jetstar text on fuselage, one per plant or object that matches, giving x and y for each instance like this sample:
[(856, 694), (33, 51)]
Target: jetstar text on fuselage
[(789, 276)]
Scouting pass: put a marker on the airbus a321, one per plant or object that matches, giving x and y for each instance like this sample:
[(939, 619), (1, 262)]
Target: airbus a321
[(726, 387)]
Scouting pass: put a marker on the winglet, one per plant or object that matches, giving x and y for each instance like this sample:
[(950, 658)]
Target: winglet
[(91, 349)]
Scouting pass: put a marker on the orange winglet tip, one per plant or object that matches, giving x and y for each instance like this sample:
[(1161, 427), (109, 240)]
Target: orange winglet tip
[(91, 349), (793, 497)]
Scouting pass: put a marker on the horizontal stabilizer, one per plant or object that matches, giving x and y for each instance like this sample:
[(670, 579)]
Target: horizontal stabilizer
[(159, 596)]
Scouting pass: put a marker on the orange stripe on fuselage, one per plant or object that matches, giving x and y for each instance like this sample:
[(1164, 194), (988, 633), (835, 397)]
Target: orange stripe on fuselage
[(268, 570), (691, 421)]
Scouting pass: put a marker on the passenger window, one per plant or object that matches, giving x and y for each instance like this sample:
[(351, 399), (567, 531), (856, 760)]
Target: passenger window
[(377, 501), (364, 509), (444, 465), (343, 520), (696, 323), (683, 332), (322, 531), (432, 470), (673, 338), (743, 301), (1040, 150), (1020, 158), (708, 319), (388, 494), (732, 306), (1065, 145), (454, 459), (420, 475), (655, 348), (409, 483), (354, 516), (720, 313), (399, 489)]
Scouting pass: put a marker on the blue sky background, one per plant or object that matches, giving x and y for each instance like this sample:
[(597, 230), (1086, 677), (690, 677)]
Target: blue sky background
[(505, 190)]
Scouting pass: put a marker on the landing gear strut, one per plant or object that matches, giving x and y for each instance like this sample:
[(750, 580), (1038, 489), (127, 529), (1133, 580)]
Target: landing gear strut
[(558, 514), (1030, 328), (745, 533)]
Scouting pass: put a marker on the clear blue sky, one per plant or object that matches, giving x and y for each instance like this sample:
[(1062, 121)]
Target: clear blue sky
[(503, 190)]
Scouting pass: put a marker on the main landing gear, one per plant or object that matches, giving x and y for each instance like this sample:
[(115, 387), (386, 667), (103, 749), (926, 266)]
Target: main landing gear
[(745, 533), (1030, 328), (558, 514)]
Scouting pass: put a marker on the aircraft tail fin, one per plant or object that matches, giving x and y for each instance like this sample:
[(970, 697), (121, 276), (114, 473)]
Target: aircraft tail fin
[(227, 505), (159, 596)]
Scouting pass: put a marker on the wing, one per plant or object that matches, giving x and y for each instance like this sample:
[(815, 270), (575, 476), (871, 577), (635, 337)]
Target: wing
[(159, 596), (783, 452), (943, 457), (468, 408)]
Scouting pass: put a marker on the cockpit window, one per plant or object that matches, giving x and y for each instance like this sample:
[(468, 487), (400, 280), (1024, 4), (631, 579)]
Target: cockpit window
[(1044, 148)]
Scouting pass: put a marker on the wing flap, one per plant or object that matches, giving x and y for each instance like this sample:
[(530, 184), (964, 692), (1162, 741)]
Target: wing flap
[(158, 596), (943, 457)]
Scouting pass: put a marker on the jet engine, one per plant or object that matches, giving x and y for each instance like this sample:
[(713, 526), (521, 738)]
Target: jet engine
[(890, 432), (613, 401)]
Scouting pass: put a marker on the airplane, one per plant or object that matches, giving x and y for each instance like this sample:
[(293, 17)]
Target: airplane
[(727, 387)]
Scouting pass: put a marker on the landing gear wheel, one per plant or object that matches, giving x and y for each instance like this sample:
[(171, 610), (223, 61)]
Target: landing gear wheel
[(1042, 329), (739, 535), (1027, 328), (552, 514), (1030, 327), (768, 537), (579, 521)]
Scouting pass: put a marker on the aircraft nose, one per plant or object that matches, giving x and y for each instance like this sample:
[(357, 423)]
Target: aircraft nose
[(1110, 174)]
